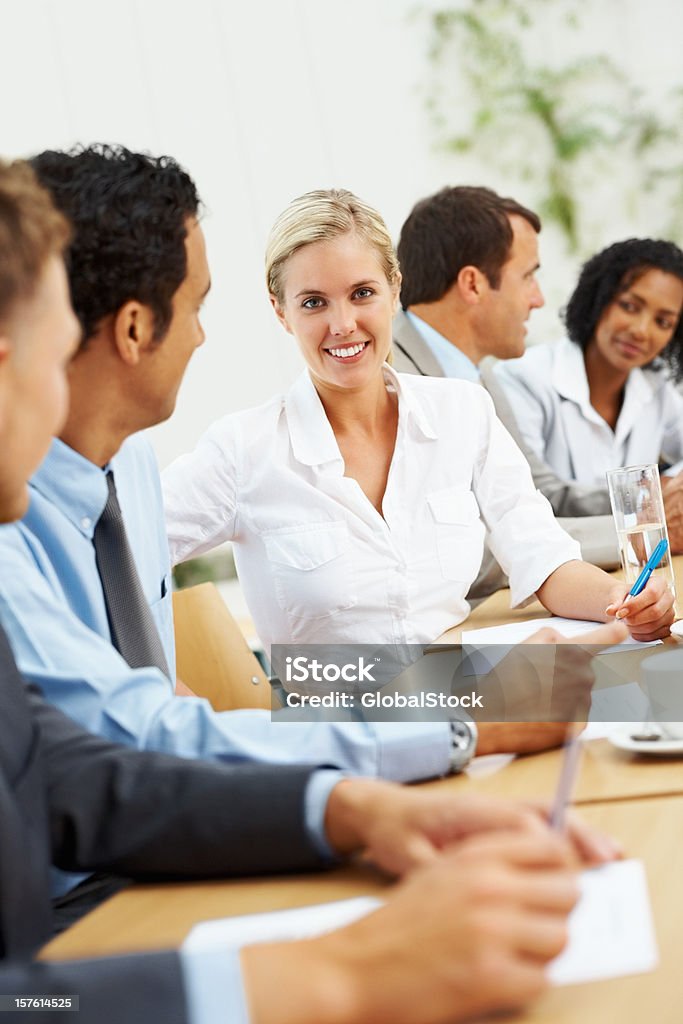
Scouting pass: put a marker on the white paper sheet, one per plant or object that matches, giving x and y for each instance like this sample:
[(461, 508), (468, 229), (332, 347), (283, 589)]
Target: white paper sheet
[(515, 632), (278, 925), (611, 933), (610, 930)]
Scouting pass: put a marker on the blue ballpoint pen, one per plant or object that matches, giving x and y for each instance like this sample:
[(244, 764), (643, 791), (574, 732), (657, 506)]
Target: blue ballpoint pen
[(649, 567)]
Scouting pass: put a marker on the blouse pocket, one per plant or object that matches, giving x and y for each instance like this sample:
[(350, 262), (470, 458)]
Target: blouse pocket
[(459, 533), (311, 569)]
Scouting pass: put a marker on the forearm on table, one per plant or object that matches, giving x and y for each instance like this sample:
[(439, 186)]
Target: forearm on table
[(578, 590)]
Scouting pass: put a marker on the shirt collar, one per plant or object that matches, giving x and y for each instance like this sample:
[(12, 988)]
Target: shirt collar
[(312, 437), (450, 358), (405, 385), (569, 373), (74, 484), (570, 381)]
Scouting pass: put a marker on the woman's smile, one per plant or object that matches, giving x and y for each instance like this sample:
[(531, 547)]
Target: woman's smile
[(347, 353)]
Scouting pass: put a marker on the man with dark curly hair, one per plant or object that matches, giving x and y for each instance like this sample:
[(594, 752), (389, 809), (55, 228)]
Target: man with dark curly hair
[(606, 396)]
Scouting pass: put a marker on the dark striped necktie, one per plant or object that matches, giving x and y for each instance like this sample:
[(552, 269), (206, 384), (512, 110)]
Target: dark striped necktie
[(133, 630)]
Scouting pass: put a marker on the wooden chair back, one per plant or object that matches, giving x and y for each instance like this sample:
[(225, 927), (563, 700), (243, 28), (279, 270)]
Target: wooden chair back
[(213, 658)]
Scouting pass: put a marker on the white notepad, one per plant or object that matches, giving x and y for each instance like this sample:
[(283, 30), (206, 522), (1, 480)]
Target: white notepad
[(515, 632), (277, 925), (610, 930)]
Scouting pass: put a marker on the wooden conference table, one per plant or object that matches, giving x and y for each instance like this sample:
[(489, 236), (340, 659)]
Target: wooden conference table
[(638, 800)]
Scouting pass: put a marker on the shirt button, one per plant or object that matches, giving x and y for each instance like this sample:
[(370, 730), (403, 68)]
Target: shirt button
[(86, 522)]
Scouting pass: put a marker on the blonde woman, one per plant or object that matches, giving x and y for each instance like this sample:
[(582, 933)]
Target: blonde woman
[(358, 502)]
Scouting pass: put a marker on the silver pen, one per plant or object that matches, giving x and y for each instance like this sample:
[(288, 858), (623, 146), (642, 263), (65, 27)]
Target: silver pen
[(569, 771)]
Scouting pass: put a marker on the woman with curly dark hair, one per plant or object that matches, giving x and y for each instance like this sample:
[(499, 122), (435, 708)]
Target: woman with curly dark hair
[(605, 396)]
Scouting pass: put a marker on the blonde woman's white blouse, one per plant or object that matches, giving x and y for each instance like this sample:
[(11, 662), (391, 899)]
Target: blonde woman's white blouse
[(317, 562)]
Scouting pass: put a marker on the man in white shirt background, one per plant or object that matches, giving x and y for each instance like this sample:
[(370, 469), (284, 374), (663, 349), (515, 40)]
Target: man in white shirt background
[(469, 259)]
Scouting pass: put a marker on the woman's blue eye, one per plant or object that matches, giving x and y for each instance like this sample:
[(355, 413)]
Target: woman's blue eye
[(363, 293), (312, 303)]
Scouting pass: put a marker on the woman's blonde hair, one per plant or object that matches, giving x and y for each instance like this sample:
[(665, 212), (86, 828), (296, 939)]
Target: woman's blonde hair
[(319, 216)]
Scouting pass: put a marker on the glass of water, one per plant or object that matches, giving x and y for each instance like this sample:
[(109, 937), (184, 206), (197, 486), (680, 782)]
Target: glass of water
[(635, 493)]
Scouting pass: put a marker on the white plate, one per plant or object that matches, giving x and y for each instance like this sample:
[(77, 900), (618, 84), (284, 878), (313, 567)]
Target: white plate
[(621, 737), (677, 628)]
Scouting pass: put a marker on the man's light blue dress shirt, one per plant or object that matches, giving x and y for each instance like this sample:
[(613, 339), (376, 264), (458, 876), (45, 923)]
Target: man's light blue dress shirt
[(450, 358)]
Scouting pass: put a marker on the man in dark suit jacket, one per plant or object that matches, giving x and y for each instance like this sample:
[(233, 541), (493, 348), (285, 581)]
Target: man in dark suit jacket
[(83, 803), (91, 804), (468, 260)]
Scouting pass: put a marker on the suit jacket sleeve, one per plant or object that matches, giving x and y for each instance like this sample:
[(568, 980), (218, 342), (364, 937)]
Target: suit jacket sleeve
[(137, 989), (148, 815)]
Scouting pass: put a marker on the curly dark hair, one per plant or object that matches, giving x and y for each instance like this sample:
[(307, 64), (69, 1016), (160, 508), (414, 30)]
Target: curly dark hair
[(609, 273), (128, 212)]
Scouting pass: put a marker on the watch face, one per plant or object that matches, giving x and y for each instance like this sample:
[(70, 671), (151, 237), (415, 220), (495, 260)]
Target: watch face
[(462, 735), (463, 744)]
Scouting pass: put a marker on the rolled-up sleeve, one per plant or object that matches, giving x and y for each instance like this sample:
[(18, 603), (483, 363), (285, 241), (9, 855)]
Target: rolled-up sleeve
[(200, 493), (524, 535)]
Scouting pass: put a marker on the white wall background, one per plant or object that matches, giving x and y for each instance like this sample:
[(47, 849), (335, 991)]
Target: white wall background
[(262, 101)]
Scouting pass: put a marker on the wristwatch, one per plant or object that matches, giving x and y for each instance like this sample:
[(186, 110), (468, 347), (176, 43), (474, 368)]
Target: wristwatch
[(463, 744)]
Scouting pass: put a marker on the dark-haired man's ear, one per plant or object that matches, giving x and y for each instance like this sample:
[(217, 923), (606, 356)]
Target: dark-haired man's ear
[(133, 331)]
